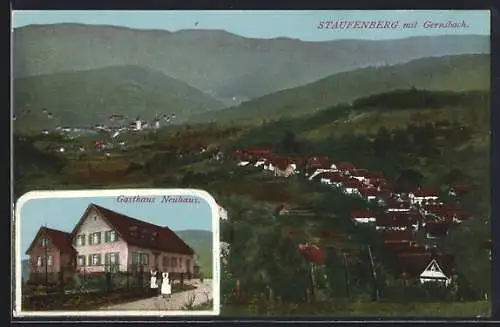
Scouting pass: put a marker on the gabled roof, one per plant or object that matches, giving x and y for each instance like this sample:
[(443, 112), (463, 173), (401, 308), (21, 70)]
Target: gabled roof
[(416, 263), (433, 270), (398, 236), (421, 192), (362, 214), (345, 166), (61, 240), (140, 233), (352, 183), (332, 176), (368, 191)]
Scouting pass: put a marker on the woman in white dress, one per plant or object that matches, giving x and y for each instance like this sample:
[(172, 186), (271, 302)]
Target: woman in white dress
[(166, 288), (154, 279)]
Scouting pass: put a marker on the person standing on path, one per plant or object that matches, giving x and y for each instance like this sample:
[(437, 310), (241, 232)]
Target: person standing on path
[(154, 279), (166, 288)]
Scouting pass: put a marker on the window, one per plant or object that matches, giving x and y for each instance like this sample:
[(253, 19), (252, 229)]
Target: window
[(112, 258), (144, 259), (95, 260), (135, 258), (165, 261), (50, 260), (95, 238), (39, 261), (140, 258), (44, 242), (81, 260), (188, 264), (80, 240), (174, 262), (110, 236)]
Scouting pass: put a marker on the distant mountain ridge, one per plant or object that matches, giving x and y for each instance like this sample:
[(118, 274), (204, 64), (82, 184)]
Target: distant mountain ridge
[(201, 242), (89, 97), (224, 65), (447, 73)]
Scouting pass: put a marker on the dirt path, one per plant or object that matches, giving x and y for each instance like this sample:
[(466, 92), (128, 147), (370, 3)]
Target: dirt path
[(203, 293)]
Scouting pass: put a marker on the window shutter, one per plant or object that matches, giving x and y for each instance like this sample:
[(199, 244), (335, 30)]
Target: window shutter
[(90, 239), (91, 263)]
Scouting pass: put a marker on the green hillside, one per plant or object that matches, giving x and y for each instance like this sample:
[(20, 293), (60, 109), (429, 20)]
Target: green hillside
[(201, 242), (449, 73), (90, 97), (413, 137), (228, 66)]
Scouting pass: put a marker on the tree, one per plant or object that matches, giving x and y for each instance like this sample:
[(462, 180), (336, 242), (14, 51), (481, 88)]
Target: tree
[(408, 179), (381, 142), (454, 176), (289, 143), (466, 243)]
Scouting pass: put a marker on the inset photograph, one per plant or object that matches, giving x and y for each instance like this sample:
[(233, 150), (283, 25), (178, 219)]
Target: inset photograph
[(117, 252)]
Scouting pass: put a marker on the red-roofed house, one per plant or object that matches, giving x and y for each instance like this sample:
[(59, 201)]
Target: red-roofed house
[(51, 252), (420, 195), (396, 240), (373, 178), (397, 221), (436, 229), (283, 167), (345, 166), (370, 194), (427, 267), (106, 239), (332, 178), (352, 186), (363, 217), (358, 174), (397, 206)]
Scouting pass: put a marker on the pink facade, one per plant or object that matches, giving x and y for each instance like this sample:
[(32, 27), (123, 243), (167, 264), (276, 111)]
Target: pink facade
[(163, 261), (94, 223), (91, 258), (46, 263)]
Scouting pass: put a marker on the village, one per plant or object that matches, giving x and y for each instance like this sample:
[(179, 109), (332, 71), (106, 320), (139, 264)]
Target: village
[(399, 220), (117, 125)]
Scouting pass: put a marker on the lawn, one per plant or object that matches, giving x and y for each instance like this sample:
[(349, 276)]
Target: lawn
[(90, 301)]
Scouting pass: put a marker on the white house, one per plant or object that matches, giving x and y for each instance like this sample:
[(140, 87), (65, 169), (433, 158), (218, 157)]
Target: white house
[(222, 213), (363, 217), (260, 162), (434, 274), (420, 195), (318, 171), (351, 188), (138, 124), (243, 163), (269, 166)]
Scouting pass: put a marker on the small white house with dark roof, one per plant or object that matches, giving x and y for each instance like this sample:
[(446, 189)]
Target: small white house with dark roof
[(434, 273)]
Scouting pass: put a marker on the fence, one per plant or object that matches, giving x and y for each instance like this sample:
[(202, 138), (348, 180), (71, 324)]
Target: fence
[(100, 278)]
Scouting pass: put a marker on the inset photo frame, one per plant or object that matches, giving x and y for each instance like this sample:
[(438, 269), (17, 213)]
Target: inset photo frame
[(142, 252)]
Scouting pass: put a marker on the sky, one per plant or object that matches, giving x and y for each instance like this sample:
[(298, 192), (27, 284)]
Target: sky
[(64, 214), (301, 24)]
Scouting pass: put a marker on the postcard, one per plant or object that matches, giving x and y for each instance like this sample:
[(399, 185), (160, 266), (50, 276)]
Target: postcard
[(347, 152), (117, 253)]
